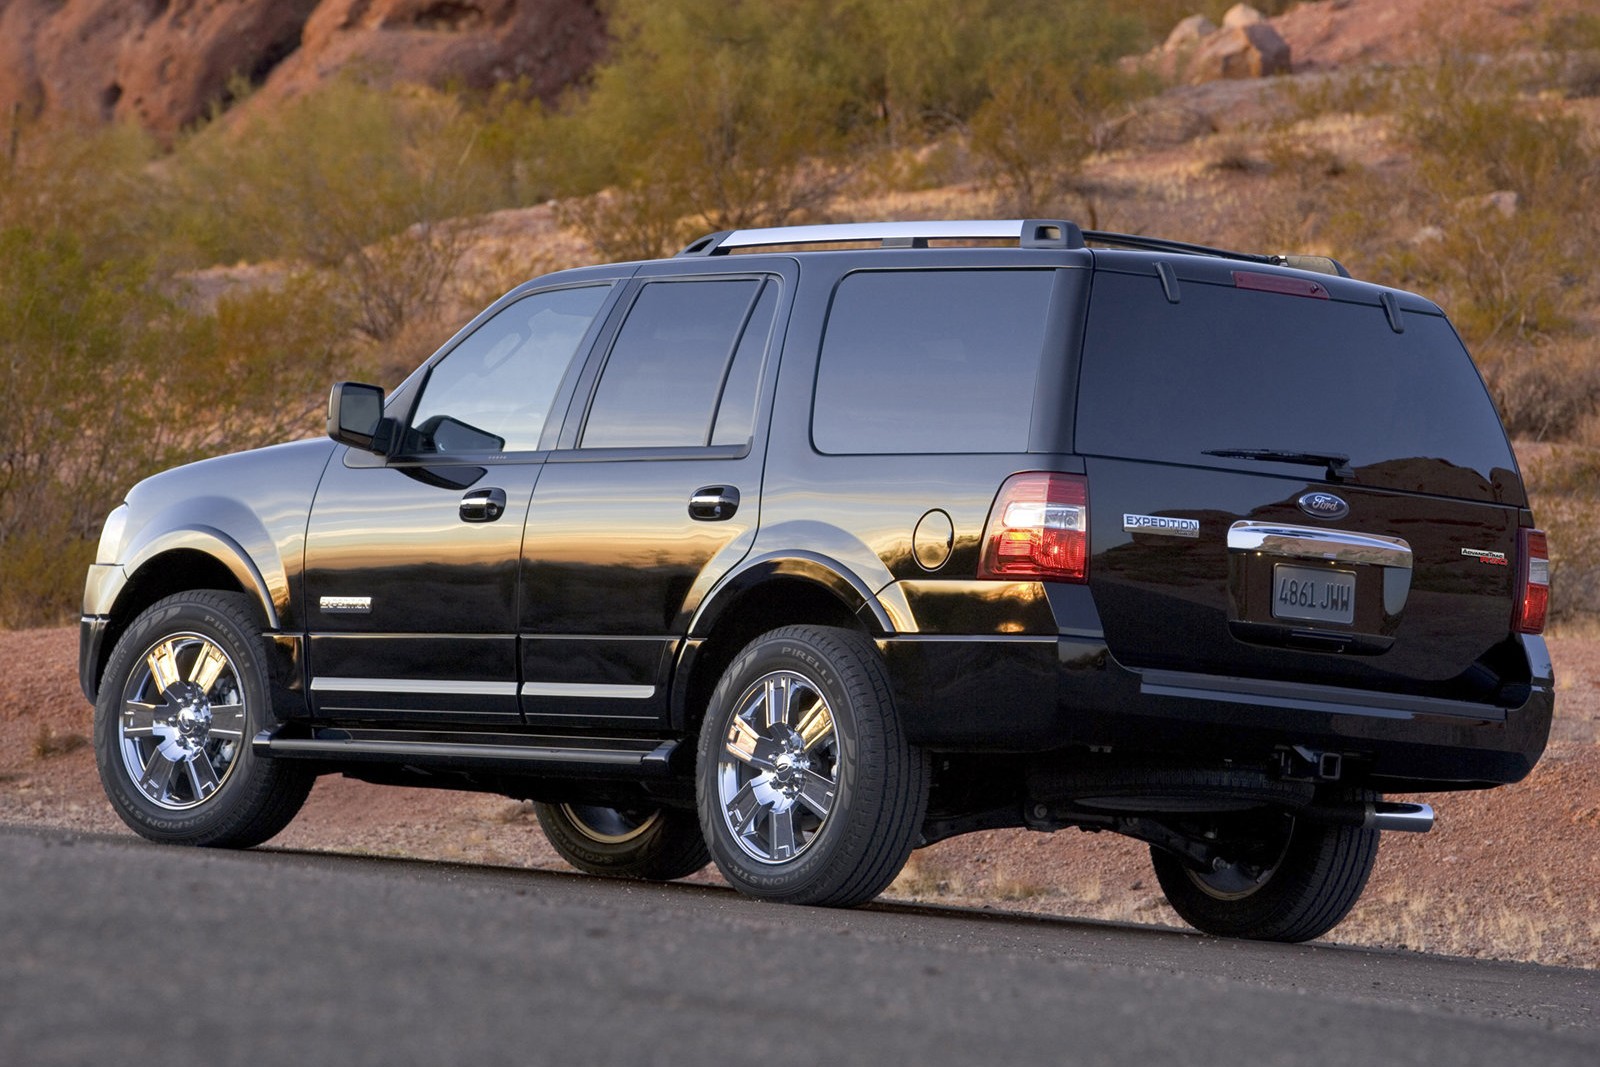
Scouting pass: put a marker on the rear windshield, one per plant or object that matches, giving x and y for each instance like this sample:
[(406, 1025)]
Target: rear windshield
[(1232, 369)]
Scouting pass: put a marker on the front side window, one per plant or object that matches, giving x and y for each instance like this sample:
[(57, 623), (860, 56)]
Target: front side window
[(493, 392), (664, 379)]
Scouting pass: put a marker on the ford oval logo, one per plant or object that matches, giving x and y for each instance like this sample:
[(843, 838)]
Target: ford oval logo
[(1323, 506)]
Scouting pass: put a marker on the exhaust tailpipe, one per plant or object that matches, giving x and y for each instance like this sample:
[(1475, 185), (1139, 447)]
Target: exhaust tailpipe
[(1393, 815), (1379, 815)]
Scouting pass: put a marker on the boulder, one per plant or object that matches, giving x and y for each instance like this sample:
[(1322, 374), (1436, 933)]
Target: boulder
[(1252, 51), (1189, 33), (1242, 15)]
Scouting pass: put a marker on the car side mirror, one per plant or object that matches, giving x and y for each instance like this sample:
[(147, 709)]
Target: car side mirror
[(355, 417)]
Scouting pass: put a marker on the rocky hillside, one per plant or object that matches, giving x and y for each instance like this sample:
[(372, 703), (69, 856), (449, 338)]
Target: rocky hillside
[(165, 63)]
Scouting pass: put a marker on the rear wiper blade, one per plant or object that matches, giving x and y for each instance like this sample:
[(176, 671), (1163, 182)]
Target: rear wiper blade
[(1338, 463)]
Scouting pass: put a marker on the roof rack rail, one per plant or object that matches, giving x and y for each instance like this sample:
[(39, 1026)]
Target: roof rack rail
[(1028, 233), (1316, 264)]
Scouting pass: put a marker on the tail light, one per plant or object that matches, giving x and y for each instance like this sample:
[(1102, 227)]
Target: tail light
[(1533, 581), (1038, 528)]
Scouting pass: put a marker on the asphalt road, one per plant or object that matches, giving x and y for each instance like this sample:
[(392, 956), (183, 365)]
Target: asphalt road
[(115, 951)]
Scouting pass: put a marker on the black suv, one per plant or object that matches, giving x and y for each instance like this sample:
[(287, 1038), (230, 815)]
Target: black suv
[(809, 546)]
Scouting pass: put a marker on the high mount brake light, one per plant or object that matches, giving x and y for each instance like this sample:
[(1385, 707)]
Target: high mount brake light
[(1038, 528), (1533, 581)]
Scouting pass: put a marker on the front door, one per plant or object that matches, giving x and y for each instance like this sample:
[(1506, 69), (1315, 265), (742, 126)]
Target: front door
[(412, 559)]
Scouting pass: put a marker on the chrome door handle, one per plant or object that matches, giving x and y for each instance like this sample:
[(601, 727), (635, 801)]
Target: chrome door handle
[(483, 505), (714, 503)]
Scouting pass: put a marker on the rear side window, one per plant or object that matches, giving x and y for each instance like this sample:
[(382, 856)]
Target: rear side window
[(1228, 368), (664, 377), (931, 361)]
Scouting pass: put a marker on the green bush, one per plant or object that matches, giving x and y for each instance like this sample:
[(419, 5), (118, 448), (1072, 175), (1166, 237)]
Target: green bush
[(361, 182), (81, 406), (713, 115), (107, 374), (708, 116)]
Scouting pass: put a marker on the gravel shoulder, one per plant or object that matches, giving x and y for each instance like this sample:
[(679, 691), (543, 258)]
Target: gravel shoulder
[(1507, 874)]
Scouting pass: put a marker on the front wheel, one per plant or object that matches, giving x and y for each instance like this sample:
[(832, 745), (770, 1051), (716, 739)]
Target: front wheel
[(808, 790), (1295, 880), (185, 690), (653, 844)]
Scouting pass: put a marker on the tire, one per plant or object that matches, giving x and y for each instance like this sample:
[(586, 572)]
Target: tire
[(652, 844), (184, 692), (1318, 875), (808, 790)]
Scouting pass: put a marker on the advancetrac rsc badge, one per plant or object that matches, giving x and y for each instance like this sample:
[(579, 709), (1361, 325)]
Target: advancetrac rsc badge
[(1160, 524)]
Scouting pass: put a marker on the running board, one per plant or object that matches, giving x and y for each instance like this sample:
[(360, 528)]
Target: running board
[(474, 751)]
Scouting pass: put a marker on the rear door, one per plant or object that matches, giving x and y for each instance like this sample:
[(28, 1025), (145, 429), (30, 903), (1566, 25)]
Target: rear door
[(1289, 479), (654, 493)]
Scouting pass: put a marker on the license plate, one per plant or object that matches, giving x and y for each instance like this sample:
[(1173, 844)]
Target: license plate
[(1313, 594)]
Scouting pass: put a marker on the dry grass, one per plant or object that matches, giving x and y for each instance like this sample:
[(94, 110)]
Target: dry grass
[(924, 879), (1538, 926), (47, 744)]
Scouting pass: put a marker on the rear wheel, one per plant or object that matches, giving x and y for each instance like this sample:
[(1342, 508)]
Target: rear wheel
[(184, 692), (653, 844), (1295, 880), (809, 792)]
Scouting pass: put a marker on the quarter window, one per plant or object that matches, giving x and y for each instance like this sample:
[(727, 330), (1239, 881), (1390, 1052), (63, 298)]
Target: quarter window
[(931, 361)]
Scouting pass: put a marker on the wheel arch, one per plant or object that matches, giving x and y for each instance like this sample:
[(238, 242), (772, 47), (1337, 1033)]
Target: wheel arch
[(177, 562), (764, 595)]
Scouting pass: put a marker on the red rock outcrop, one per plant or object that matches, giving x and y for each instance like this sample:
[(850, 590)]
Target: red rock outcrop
[(166, 63), (548, 44)]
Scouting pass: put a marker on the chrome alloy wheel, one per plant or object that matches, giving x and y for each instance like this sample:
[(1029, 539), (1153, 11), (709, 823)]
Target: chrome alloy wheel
[(182, 721), (1236, 880), (778, 772), (609, 826)]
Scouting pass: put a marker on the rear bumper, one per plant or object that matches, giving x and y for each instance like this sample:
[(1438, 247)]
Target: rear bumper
[(1035, 694)]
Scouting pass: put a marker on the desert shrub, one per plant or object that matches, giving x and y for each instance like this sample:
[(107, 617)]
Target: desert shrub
[(92, 181), (361, 182), (107, 373), (81, 406), (708, 116), (267, 357), (1545, 391), (1561, 484), (1052, 84), (712, 115), (1488, 220), (1573, 39), (1479, 134)]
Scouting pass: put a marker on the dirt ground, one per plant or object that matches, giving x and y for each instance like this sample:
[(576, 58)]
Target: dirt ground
[(1509, 874)]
